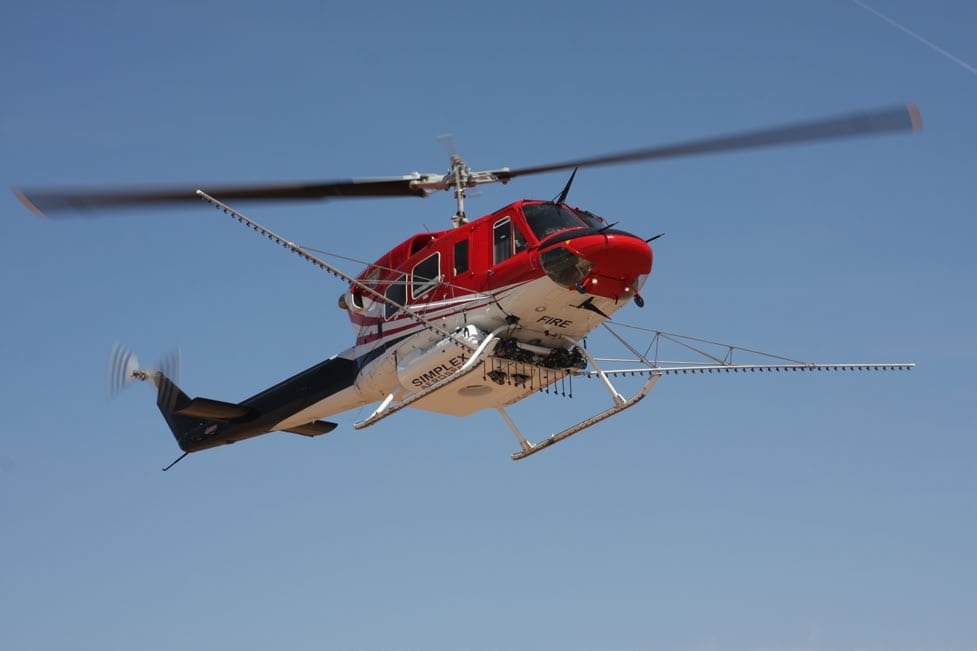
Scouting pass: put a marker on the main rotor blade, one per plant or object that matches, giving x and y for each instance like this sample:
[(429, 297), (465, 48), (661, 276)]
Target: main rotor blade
[(47, 201), (903, 118)]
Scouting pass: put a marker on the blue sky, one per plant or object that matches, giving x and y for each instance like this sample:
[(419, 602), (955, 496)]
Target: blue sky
[(723, 513)]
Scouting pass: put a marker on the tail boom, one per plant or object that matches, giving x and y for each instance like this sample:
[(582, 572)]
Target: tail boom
[(202, 423), (218, 423)]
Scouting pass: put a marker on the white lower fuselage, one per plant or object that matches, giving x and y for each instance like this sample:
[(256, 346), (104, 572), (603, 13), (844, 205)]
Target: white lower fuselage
[(548, 316)]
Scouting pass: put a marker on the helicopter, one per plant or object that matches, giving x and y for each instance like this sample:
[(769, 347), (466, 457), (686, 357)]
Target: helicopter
[(479, 316)]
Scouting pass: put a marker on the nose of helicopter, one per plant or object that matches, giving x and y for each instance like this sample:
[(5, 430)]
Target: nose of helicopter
[(609, 264)]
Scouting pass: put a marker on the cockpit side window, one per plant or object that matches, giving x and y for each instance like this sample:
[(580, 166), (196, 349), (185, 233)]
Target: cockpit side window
[(518, 239), (502, 240)]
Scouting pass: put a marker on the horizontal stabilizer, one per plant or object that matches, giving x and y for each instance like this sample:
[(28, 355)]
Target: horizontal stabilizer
[(216, 410), (315, 428)]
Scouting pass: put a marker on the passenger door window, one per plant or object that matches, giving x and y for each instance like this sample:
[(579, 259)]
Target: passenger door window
[(397, 293), (426, 275), (461, 257)]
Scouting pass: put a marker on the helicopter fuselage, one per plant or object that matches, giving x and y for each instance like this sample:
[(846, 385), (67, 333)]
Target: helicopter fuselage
[(545, 273)]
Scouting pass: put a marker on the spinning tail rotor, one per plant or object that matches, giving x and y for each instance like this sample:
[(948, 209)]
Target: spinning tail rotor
[(123, 370), (123, 367)]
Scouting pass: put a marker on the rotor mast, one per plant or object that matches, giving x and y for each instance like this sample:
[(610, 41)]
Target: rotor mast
[(458, 169), (458, 179)]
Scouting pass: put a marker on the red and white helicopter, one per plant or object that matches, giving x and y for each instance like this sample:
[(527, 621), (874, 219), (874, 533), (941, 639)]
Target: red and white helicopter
[(479, 316)]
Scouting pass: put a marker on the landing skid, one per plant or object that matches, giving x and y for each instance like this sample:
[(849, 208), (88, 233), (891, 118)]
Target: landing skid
[(718, 358), (619, 406)]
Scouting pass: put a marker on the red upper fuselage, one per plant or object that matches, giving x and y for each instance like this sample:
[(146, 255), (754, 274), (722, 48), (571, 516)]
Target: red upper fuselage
[(521, 242)]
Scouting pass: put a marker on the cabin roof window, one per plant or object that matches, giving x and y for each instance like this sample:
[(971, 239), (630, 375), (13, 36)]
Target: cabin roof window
[(544, 219), (420, 241)]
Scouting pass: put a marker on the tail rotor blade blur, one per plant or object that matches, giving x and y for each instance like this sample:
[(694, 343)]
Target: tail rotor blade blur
[(170, 365), (123, 365), (124, 369)]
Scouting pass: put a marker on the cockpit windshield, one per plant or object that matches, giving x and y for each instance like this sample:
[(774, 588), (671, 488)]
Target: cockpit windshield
[(592, 220), (547, 218)]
